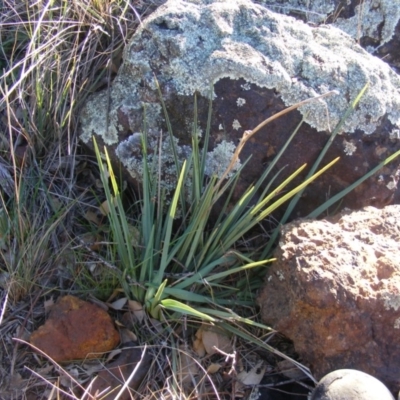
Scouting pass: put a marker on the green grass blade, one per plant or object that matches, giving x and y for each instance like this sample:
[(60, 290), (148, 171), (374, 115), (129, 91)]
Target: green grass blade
[(296, 198), (254, 216), (275, 160), (147, 265), (118, 222), (186, 295), (206, 136), (287, 196), (197, 220), (242, 268), (169, 222), (348, 189), (230, 316), (197, 179), (148, 210), (173, 146), (169, 127), (205, 271)]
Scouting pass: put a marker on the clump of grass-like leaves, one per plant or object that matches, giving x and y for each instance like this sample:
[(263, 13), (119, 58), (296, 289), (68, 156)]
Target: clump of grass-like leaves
[(192, 264)]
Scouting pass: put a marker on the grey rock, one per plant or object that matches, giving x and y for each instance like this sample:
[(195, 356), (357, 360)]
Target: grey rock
[(374, 19), (375, 25), (334, 291), (350, 384), (312, 11)]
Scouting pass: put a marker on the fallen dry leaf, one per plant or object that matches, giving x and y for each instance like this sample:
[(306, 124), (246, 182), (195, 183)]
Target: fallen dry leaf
[(215, 338), (112, 354), (117, 372), (254, 376), (118, 304), (137, 310), (105, 207), (127, 336), (198, 345), (213, 368), (116, 293)]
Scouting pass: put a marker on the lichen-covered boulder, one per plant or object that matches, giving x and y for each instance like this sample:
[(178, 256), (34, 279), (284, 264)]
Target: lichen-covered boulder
[(259, 62), (335, 291), (375, 25)]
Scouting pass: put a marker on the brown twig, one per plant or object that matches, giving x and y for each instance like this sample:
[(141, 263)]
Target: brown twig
[(248, 134)]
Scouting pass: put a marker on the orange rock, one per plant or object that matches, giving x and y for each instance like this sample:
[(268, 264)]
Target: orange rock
[(75, 330)]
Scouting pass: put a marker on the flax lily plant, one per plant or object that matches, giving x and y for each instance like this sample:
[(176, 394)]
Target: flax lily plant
[(185, 260)]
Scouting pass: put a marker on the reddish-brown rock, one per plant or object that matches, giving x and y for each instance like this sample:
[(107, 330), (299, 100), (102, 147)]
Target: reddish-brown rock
[(335, 291), (74, 330)]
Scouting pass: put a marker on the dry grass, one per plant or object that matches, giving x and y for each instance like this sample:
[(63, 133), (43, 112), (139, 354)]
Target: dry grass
[(52, 56)]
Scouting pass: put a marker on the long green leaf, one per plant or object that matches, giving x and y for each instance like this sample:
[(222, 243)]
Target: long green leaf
[(204, 271), (187, 295), (258, 216), (147, 266), (170, 219), (206, 136), (148, 211), (173, 146), (195, 227), (287, 196), (179, 307), (231, 271), (232, 316), (197, 179), (345, 191)]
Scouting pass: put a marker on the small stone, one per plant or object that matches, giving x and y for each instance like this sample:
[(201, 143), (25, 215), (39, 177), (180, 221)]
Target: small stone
[(75, 330), (350, 384)]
